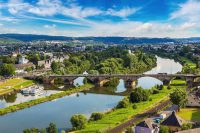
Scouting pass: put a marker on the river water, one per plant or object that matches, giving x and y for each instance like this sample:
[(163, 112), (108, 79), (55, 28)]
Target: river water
[(60, 111)]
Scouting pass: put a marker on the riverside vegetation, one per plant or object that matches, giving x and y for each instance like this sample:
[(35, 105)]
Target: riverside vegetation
[(111, 61), (138, 101)]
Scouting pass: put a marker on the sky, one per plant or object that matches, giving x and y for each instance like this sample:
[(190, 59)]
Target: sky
[(130, 18)]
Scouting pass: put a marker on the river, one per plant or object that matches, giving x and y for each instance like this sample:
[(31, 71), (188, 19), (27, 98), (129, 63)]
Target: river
[(60, 111)]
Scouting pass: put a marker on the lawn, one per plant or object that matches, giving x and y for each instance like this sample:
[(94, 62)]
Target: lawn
[(176, 82), (188, 62), (192, 114), (14, 84), (118, 116)]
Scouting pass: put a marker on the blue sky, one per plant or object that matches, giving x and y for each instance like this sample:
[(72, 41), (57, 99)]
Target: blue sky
[(132, 18)]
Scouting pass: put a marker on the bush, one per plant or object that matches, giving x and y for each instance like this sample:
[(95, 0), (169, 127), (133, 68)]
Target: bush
[(129, 130), (78, 121), (186, 126), (155, 91), (164, 129), (96, 116), (169, 87), (123, 103), (134, 106), (150, 99)]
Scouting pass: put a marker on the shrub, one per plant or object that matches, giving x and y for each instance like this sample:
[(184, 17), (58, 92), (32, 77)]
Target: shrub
[(96, 116), (186, 126), (155, 91), (169, 87), (134, 106), (78, 121), (129, 130), (123, 103), (164, 129)]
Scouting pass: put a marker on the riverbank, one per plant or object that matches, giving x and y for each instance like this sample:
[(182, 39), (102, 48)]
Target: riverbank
[(14, 84), (189, 66), (44, 99), (117, 116)]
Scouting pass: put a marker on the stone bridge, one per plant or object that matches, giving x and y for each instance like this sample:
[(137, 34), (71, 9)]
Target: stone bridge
[(129, 79)]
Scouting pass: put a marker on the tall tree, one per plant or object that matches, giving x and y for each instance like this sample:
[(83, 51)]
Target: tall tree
[(179, 97)]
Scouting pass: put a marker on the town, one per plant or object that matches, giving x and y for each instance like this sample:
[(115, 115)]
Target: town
[(27, 68), (99, 66)]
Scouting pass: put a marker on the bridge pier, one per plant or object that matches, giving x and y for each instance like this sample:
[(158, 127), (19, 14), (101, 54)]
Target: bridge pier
[(130, 83)]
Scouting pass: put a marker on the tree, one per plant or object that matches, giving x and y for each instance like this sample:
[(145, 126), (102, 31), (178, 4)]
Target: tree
[(179, 97), (52, 128), (78, 121), (139, 95), (164, 129), (96, 116), (7, 70)]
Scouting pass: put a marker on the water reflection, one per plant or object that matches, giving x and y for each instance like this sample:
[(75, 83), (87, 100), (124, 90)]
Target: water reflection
[(163, 66), (58, 111)]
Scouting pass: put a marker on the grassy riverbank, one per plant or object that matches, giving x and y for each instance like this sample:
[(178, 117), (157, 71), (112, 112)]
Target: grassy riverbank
[(117, 116), (14, 84), (43, 99)]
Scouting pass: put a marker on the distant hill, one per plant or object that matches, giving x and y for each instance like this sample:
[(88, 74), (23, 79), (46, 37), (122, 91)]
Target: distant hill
[(5, 40), (107, 40)]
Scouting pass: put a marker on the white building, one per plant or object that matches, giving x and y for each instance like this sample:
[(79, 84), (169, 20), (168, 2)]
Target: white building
[(22, 60)]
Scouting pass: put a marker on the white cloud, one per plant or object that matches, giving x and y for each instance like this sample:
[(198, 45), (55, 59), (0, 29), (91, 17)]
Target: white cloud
[(50, 26), (125, 12), (189, 11), (188, 26), (15, 6), (1, 24)]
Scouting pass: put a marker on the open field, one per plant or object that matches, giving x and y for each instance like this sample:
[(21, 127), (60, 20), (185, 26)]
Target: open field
[(117, 116), (176, 82), (192, 114), (188, 62), (14, 84)]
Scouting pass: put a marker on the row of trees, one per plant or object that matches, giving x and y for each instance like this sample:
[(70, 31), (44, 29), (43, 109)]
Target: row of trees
[(50, 129)]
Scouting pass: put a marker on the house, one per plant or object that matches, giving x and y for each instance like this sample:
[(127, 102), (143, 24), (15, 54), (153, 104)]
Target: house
[(22, 60), (47, 63), (147, 126), (173, 121), (20, 67)]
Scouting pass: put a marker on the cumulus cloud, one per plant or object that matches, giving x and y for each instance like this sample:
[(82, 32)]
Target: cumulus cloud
[(189, 11), (125, 12), (53, 7)]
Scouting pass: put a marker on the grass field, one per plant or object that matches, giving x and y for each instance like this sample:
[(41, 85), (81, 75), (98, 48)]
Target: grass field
[(192, 114), (178, 82), (14, 84), (188, 62), (118, 116)]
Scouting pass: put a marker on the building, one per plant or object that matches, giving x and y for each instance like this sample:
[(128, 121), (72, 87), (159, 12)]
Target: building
[(22, 60), (147, 126), (174, 122), (20, 67), (47, 63)]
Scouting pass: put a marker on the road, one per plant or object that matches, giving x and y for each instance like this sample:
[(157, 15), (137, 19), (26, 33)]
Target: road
[(138, 117)]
